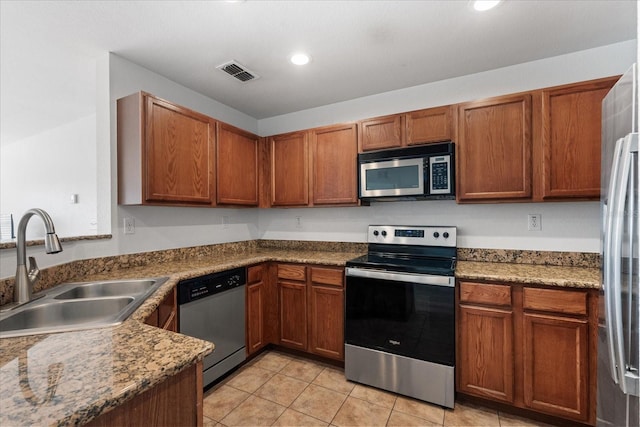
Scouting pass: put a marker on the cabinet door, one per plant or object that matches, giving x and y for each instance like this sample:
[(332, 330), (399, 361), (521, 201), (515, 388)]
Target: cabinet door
[(179, 153), (334, 164), (255, 316), (236, 166), (486, 353), (289, 170), (430, 125), (326, 312), (556, 365), (381, 132), (571, 135), (293, 314), (494, 148)]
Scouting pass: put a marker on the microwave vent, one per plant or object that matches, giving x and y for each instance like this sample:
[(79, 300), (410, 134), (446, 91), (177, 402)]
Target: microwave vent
[(238, 71)]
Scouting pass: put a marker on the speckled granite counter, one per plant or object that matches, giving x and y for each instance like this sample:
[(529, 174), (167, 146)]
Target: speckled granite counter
[(549, 275), (71, 378), (548, 268)]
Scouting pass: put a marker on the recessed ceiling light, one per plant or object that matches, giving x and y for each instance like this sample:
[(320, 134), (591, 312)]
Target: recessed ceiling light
[(482, 5), (300, 59)]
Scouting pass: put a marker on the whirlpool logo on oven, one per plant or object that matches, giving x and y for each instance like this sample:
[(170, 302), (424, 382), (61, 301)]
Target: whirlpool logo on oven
[(394, 342)]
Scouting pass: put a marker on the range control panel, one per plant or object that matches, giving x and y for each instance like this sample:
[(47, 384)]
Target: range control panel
[(413, 235), (211, 284)]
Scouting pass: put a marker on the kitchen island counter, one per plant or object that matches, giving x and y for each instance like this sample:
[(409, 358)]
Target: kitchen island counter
[(71, 378)]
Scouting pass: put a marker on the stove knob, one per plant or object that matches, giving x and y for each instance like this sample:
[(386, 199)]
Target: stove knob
[(445, 235), (436, 234), (384, 233), (375, 232)]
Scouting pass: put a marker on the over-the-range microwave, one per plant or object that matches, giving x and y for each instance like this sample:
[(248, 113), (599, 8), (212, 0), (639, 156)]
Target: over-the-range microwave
[(414, 173)]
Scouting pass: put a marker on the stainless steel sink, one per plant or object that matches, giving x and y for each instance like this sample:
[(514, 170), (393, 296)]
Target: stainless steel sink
[(107, 289), (76, 306)]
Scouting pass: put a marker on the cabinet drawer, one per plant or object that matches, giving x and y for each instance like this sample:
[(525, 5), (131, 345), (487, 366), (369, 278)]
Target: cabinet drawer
[(481, 293), (254, 274), (327, 276), (555, 300), (292, 272)]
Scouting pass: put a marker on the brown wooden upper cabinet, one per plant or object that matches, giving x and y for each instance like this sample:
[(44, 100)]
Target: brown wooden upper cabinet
[(494, 148), (571, 127), (165, 153), (314, 167), (412, 128), (334, 178), (236, 166), (430, 125), (380, 132), (289, 170), (534, 146)]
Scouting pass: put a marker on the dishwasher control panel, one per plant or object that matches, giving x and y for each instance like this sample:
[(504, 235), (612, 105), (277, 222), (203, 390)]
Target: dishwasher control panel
[(211, 284)]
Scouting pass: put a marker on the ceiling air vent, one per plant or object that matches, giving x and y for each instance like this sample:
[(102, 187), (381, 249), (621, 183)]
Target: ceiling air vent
[(238, 71)]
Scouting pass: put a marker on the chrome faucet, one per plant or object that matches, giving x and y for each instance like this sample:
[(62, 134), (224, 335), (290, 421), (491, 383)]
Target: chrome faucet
[(23, 287)]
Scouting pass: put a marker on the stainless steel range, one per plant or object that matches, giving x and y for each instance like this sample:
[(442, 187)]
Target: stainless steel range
[(400, 312)]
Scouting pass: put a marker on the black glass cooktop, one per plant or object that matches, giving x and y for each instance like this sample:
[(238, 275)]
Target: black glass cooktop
[(437, 262)]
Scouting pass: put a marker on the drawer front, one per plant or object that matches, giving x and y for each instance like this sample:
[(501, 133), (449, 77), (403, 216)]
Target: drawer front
[(481, 293), (292, 272), (255, 273), (327, 276), (555, 300)]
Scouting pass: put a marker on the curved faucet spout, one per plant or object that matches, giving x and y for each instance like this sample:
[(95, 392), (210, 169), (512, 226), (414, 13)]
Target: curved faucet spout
[(24, 282)]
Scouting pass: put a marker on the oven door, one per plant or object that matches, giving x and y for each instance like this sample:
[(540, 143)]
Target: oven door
[(399, 177), (411, 315)]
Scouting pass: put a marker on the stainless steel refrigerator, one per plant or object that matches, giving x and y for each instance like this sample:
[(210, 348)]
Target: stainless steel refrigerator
[(619, 324)]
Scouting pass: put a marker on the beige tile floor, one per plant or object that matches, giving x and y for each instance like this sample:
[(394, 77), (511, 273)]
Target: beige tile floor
[(277, 389)]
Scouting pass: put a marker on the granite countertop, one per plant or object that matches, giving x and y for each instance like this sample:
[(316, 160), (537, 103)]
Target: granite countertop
[(549, 275), (71, 378)]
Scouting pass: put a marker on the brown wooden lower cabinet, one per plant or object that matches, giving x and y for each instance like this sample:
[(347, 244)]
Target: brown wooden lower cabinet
[(556, 365), (326, 312), (530, 347), (174, 402), (487, 343), (166, 315), (261, 308), (255, 309), (310, 302), (293, 314)]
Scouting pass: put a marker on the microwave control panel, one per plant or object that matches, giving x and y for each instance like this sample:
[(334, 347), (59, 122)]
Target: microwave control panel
[(440, 171)]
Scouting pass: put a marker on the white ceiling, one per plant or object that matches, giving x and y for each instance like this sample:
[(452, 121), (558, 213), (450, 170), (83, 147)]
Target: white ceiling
[(48, 49)]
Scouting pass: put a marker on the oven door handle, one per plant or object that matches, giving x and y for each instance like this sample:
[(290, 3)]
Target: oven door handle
[(423, 279)]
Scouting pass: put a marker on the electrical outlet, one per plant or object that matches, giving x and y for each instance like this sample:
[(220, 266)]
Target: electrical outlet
[(129, 226), (535, 222), (298, 222), (225, 221)]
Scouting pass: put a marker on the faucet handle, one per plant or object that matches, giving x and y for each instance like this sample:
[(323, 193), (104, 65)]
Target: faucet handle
[(34, 271)]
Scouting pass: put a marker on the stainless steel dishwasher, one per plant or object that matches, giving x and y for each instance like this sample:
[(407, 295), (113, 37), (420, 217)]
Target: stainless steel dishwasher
[(212, 308)]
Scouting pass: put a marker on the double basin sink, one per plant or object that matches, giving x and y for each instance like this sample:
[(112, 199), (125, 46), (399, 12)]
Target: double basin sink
[(76, 306)]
